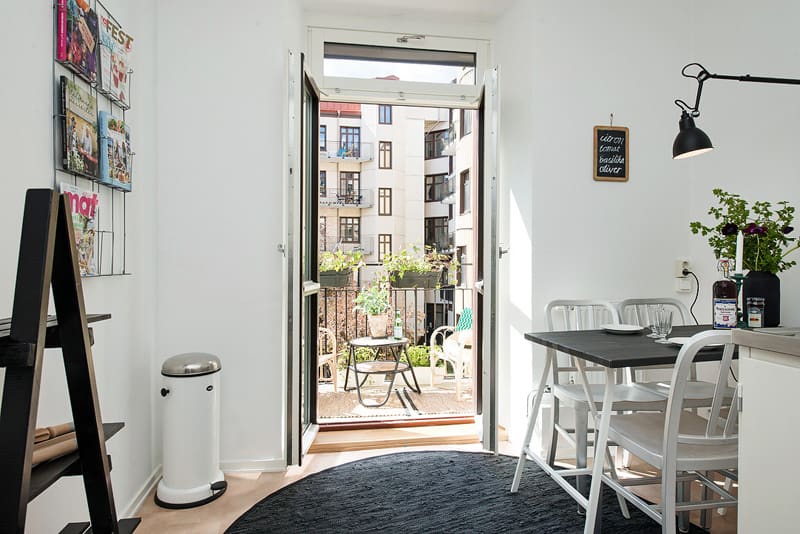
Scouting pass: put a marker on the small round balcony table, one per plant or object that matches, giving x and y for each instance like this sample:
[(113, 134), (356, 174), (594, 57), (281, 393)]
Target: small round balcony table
[(389, 357)]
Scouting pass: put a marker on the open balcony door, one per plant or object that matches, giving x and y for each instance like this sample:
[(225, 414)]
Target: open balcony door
[(486, 261), (302, 259)]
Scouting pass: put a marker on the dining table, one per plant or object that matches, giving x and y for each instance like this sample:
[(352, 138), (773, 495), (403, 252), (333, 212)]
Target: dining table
[(613, 350)]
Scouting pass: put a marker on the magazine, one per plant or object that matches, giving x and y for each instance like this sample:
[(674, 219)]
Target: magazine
[(81, 41), (83, 204), (115, 151), (79, 129), (115, 45), (61, 30)]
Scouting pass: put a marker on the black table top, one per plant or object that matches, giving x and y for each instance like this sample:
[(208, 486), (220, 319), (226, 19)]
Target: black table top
[(621, 350)]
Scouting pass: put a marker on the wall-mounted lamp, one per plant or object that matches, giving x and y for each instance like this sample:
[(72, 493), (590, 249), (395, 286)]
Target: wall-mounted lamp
[(691, 140)]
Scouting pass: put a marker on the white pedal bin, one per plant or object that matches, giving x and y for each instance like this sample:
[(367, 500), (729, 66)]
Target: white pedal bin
[(190, 399)]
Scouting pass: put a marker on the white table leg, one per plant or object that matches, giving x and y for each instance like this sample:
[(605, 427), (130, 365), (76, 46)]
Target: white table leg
[(599, 455), (523, 455)]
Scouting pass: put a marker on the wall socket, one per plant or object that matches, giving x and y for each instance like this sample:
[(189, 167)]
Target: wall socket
[(680, 265)]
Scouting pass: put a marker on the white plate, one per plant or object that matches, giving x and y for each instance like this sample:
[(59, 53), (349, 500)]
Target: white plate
[(622, 328)]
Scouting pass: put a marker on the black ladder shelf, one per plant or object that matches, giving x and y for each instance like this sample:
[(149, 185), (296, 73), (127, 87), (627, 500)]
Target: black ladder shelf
[(47, 256)]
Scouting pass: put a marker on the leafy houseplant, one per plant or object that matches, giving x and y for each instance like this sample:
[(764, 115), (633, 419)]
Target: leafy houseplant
[(373, 300), (766, 243), (766, 233), (336, 268), (413, 268)]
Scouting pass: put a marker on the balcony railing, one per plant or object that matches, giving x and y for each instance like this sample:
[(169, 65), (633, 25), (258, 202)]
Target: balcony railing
[(422, 311), (341, 198), (336, 150)]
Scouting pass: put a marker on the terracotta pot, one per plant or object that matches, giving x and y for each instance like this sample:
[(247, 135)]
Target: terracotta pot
[(378, 325)]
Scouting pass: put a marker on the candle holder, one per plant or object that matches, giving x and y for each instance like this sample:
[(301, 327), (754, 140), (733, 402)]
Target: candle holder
[(738, 279)]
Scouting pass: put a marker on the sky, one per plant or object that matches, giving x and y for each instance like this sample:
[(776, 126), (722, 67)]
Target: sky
[(408, 72)]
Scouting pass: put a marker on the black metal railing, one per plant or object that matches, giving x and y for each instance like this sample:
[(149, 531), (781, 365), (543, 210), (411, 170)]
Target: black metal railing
[(422, 311)]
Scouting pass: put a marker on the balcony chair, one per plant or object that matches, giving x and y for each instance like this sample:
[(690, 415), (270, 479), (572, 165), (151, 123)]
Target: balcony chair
[(567, 389), (683, 446), (327, 355), (453, 344)]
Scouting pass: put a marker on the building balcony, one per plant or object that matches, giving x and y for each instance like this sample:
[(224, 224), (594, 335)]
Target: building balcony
[(341, 198), (336, 151), (333, 242), (449, 193)]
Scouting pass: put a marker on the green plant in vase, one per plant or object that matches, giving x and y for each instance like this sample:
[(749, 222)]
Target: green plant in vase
[(373, 300), (336, 268), (766, 238), (415, 268)]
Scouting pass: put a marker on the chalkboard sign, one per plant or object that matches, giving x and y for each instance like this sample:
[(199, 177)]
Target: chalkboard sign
[(610, 154)]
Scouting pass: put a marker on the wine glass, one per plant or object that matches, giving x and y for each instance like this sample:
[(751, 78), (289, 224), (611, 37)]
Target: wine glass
[(651, 319), (663, 325)]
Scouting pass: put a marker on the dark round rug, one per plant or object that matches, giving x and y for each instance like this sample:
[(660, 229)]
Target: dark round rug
[(430, 492)]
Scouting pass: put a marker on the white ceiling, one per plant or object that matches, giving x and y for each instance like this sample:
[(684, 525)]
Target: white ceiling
[(477, 10)]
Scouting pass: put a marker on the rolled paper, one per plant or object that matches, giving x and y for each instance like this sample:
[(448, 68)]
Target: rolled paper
[(41, 434), (61, 429), (53, 448), (739, 268)]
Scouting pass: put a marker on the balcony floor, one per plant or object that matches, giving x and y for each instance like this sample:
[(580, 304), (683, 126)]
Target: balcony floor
[(434, 402)]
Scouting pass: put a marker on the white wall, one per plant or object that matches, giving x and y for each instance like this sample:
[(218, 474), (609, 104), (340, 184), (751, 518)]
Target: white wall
[(124, 346), (222, 96), (563, 69)]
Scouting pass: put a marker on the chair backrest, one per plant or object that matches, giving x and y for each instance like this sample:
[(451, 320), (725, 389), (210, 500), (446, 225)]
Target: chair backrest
[(640, 311), (326, 343), (576, 314), (719, 430)]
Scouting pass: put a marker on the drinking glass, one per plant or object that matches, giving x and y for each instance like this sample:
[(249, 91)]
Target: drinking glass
[(651, 318), (663, 325)]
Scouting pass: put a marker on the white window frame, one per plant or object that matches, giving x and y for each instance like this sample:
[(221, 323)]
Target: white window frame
[(374, 91)]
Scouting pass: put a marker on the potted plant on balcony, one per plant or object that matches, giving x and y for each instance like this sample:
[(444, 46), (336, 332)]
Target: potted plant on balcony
[(766, 241), (373, 300), (336, 268), (413, 268)]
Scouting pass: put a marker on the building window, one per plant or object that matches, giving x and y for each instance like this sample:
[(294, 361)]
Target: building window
[(435, 143), (384, 114), (349, 186), (350, 229), (323, 232), (384, 245), (465, 193), (461, 256), (385, 155), (435, 187), (350, 142), (436, 233), (323, 184), (466, 122), (384, 201), (323, 137)]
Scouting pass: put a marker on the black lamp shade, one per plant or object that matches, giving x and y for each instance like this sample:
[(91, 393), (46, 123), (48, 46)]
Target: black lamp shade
[(691, 140)]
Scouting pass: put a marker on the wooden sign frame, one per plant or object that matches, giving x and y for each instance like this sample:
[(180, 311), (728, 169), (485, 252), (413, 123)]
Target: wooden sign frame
[(595, 155)]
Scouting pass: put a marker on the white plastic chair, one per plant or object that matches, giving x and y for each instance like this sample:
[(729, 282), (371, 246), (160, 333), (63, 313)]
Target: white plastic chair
[(586, 315), (453, 344), (327, 354), (682, 445)]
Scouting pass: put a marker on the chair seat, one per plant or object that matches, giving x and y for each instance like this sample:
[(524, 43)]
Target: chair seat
[(625, 396), (698, 393), (643, 435)]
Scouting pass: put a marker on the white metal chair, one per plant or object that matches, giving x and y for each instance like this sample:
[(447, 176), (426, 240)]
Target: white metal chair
[(639, 311), (453, 344), (586, 315), (682, 445), (327, 354)]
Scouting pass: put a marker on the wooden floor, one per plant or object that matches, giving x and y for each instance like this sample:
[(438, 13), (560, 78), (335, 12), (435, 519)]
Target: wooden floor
[(246, 489)]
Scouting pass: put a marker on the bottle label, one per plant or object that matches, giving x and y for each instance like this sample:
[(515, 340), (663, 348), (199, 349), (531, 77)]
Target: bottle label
[(725, 313)]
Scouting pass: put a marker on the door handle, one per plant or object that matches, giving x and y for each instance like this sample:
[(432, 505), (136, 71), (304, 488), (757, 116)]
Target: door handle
[(501, 252)]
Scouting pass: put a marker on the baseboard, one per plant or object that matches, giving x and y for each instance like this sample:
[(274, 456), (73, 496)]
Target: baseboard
[(137, 502), (272, 465)]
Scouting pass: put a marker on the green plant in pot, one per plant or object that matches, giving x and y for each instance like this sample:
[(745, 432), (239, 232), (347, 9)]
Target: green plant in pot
[(767, 240), (415, 268), (336, 268), (373, 300)]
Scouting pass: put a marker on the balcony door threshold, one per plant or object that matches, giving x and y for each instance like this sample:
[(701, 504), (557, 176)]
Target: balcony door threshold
[(340, 437)]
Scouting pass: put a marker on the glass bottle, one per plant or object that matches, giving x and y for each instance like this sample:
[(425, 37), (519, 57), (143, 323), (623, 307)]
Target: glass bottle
[(398, 325), (724, 297)]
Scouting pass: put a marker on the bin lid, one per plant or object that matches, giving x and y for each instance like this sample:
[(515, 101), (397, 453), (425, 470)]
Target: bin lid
[(191, 364)]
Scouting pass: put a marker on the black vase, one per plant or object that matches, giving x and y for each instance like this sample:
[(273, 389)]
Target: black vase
[(767, 286)]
